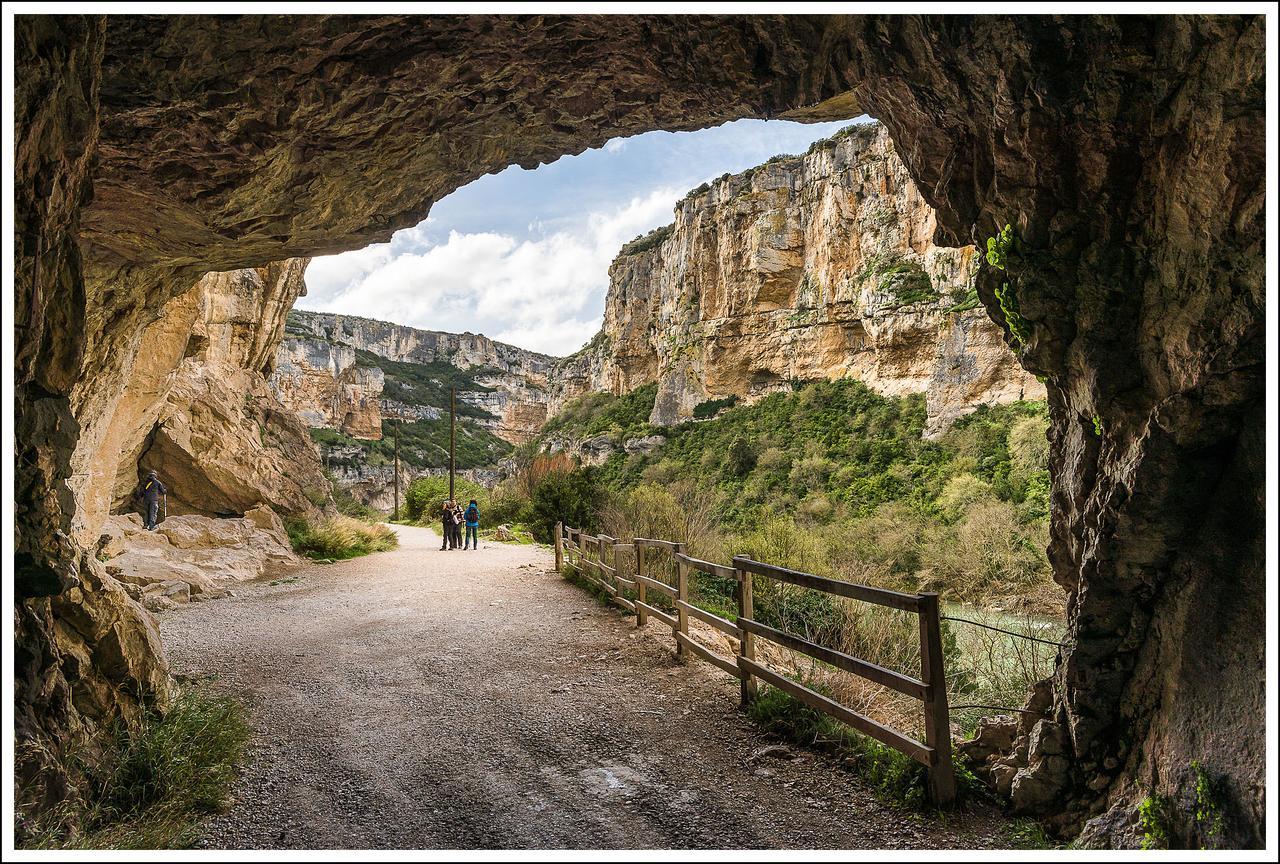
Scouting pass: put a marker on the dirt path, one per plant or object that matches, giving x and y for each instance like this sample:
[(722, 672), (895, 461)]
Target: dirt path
[(427, 699)]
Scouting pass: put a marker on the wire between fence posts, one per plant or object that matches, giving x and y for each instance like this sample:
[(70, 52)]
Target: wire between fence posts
[(1004, 631)]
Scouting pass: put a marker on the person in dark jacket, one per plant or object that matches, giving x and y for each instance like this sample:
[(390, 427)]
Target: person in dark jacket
[(152, 492), (472, 517), (446, 526)]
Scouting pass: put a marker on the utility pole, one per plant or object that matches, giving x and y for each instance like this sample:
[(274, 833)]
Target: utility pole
[(453, 434), (395, 432)]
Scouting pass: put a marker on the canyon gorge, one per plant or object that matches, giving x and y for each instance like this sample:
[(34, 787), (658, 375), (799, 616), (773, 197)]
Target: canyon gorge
[(169, 191)]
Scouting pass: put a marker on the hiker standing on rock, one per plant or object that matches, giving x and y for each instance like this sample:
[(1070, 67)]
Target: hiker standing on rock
[(472, 517), (152, 492)]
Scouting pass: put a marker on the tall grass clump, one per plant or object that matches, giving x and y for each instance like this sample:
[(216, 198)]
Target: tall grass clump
[(150, 785), (338, 537)]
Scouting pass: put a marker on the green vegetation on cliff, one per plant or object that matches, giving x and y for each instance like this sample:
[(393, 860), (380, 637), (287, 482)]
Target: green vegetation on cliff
[(845, 477)]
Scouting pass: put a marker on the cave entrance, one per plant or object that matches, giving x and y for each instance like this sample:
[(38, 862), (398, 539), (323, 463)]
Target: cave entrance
[(1153, 438)]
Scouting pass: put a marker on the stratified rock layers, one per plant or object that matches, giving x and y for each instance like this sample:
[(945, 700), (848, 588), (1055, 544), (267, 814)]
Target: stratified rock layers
[(806, 267), (321, 382), (1126, 152), (317, 376)]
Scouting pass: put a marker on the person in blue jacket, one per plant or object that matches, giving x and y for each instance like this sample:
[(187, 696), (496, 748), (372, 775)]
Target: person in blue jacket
[(472, 517)]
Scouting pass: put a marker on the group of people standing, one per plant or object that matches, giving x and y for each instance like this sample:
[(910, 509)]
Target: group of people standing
[(452, 520)]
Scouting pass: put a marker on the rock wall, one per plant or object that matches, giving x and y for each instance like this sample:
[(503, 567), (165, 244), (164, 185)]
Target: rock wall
[(1127, 152), (321, 348), (320, 381), (814, 266), (196, 407)]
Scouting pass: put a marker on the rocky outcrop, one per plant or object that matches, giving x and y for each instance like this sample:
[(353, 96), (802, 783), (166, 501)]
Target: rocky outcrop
[(193, 558), (813, 266), (196, 407), (321, 347), (321, 382), (1126, 152)]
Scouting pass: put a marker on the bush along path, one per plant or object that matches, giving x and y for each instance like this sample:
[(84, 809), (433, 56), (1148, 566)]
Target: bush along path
[(425, 699)]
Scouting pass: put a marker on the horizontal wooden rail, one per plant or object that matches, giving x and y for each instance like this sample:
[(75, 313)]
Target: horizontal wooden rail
[(710, 656), (659, 614), (913, 748), (880, 596), (658, 544), (895, 680), (613, 579), (707, 566), (657, 586), (722, 624)]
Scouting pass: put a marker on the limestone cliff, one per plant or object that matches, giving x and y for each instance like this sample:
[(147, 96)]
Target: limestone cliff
[(317, 375), (197, 408), (321, 382), (813, 266)]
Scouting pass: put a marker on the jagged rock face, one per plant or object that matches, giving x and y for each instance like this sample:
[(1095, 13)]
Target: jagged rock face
[(1127, 153), (320, 382), (196, 407), (817, 266), (322, 346)]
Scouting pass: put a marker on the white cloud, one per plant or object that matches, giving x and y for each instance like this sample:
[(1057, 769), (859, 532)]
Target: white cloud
[(545, 294)]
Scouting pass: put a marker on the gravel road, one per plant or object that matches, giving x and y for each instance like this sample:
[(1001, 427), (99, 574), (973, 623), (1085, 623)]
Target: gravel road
[(427, 699)]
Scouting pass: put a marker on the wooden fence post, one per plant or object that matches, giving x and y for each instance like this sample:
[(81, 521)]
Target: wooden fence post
[(937, 719), (747, 642), (559, 547), (682, 592), (642, 617)]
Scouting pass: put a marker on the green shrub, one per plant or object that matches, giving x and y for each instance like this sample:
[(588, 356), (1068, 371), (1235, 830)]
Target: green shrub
[(338, 537), (573, 497), (654, 238), (151, 783), (505, 506), (892, 775), (425, 495), (999, 249), (712, 407)]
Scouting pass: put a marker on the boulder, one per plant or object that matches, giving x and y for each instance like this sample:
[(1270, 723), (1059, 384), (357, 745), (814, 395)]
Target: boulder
[(265, 518), (645, 445)]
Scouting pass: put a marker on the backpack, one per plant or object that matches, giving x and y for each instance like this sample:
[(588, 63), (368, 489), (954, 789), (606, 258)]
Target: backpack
[(473, 513)]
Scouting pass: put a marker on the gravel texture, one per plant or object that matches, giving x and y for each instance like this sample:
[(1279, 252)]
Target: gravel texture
[(428, 699)]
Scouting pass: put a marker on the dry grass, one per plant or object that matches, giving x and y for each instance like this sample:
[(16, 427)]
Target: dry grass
[(339, 537)]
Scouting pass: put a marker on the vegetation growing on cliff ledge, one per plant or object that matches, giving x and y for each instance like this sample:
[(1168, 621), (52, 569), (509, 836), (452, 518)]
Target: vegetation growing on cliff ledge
[(645, 242), (598, 413)]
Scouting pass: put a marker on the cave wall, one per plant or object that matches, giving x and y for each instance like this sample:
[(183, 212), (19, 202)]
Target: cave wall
[(1126, 152)]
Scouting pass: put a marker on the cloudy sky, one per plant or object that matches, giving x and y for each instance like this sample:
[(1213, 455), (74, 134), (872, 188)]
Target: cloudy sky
[(523, 256)]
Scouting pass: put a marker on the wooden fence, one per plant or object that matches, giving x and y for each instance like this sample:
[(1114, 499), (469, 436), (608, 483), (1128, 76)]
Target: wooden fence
[(597, 560)]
